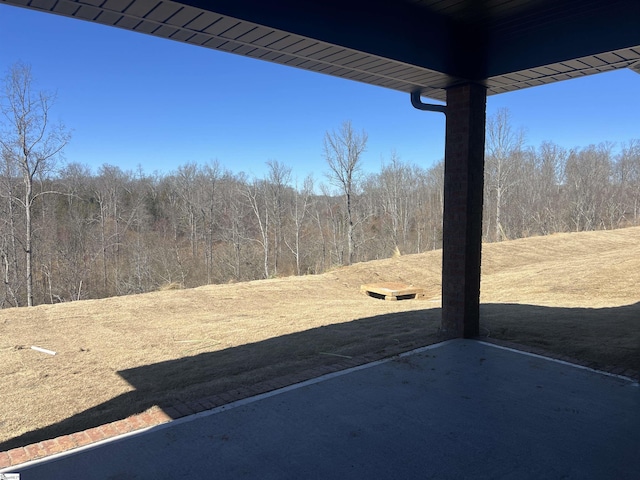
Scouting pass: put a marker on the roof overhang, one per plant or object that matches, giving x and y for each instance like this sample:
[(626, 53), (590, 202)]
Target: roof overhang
[(405, 45)]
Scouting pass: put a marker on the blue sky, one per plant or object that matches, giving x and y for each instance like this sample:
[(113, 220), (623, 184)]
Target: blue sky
[(131, 99)]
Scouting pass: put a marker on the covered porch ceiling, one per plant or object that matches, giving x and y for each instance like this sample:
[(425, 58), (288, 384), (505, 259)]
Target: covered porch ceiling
[(405, 45)]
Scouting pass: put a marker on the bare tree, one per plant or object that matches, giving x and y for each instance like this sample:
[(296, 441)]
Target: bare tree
[(69, 255), (299, 209), (588, 182), (108, 196), (503, 144), (210, 205), (395, 183), (184, 185), (343, 151), (235, 217), (550, 160), (431, 220), (32, 142), (278, 178), (331, 219), (255, 193), (629, 176), (10, 225)]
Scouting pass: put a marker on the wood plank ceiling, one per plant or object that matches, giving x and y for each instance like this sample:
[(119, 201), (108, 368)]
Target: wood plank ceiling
[(406, 45)]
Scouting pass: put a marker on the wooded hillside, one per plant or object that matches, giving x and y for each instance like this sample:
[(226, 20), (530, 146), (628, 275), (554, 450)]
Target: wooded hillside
[(69, 233), (116, 232)]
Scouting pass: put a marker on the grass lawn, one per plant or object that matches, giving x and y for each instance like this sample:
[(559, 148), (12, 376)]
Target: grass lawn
[(570, 294)]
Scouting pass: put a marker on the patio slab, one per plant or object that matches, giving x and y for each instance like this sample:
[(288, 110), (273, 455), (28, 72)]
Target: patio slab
[(457, 409)]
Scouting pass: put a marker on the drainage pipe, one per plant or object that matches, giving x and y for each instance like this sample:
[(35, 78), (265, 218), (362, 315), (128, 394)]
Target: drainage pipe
[(417, 103)]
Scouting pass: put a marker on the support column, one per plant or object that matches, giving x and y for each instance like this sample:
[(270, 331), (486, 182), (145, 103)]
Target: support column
[(463, 196)]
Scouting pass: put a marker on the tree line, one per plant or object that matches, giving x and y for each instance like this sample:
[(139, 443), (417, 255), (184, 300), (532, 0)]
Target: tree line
[(68, 233)]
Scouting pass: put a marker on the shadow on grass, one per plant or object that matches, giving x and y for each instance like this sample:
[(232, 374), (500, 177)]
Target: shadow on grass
[(602, 337), (297, 356)]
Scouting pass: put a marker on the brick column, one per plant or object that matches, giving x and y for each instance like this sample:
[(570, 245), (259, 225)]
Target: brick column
[(462, 226)]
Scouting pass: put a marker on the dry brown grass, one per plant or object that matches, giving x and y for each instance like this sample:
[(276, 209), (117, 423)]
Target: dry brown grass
[(575, 294)]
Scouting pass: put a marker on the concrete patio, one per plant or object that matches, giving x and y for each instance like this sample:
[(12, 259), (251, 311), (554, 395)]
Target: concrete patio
[(457, 409)]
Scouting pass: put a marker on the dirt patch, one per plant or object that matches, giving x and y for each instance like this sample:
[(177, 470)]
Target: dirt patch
[(575, 294)]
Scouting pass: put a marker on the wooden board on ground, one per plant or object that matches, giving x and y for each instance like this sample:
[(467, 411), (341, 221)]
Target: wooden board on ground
[(392, 291)]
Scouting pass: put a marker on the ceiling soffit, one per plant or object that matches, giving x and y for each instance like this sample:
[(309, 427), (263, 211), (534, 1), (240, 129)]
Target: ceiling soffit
[(405, 45)]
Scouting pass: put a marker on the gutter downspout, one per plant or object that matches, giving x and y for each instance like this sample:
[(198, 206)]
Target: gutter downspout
[(430, 107)]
